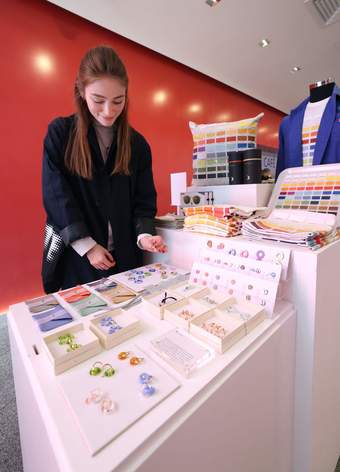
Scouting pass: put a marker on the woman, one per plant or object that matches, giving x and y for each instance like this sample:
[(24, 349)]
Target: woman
[(98, 188)]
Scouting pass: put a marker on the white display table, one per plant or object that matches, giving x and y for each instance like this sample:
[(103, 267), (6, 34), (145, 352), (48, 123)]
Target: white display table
[(235, 413), (313, 286)]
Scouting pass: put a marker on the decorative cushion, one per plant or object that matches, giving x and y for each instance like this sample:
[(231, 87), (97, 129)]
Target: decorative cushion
[(213, 141)]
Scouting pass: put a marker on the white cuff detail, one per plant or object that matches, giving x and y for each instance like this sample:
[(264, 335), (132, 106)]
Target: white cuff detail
[(83, 245), (139, 237)]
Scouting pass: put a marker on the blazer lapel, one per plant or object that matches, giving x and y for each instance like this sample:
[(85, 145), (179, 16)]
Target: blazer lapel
[(295, 135), (325, 129)]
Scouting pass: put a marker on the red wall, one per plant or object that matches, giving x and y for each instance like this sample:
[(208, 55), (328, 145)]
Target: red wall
[(30, 99)]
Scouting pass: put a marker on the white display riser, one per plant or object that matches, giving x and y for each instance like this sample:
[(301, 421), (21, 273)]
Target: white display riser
[(313, 287), (251, 195), (234, 413)]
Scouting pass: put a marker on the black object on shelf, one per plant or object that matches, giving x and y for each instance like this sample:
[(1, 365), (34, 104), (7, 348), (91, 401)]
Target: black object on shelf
[(235, 159), (252, 166)]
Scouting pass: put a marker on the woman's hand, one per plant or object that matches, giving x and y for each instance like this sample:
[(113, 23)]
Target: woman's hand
[(153, 244), (100, 258)]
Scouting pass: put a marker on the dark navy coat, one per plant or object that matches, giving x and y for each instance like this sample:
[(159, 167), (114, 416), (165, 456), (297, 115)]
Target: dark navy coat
[(327, 148), (77, 207)]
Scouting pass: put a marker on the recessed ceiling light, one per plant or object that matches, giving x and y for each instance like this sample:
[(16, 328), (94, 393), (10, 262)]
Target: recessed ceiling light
[(212, 3), (43, 63), (295, 69), (160, 97), (195, 107), (264, 43)]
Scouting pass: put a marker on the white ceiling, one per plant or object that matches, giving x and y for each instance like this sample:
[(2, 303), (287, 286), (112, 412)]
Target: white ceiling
[(222, 41)]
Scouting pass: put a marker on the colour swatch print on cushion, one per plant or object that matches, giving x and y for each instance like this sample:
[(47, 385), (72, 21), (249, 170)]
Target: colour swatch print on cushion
[(212, 142)]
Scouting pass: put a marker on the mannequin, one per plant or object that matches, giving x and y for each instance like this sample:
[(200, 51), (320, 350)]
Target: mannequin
[(321, 90), (310, 134)]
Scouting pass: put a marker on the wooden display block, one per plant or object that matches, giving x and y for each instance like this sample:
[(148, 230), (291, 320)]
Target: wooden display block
[(234, 329), (210, 298), (152, 302), (60, 359), (250, 313), (173, 312), (130, 326)]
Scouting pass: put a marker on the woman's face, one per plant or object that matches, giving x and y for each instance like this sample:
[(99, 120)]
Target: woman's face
[(105, 99)]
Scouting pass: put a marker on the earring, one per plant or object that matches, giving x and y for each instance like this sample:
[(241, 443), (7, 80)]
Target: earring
[(123, 355), (136, 360), (65, 339), (109, 371), (148, 390), (145, 378), (107, 406), (95, 396), (96, 369)]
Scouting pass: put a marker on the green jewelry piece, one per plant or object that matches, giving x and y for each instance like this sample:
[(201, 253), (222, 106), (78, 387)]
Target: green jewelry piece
[(109, 372), (95, 370), (65, 339), (73, 347)]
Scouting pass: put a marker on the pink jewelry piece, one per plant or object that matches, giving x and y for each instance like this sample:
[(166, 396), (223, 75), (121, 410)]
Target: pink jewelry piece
[(107, 406), (186, 315), (94, 396), (245, 253)]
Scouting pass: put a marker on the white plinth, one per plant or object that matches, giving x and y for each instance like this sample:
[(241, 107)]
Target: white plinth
[(313, 286), (235, 413)]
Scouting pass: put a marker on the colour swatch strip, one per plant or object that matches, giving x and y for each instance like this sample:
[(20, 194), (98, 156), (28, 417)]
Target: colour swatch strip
[(320, 194)]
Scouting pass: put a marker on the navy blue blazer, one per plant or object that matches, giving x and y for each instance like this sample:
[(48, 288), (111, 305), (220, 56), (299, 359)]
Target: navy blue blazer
[(77, 207), (327, 148)]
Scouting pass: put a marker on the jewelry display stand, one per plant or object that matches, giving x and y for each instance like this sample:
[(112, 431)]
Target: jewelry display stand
[(123, 389), (157, 301), (183, 312), (224, 394), (61, 356), (127, 326), (312, 284)]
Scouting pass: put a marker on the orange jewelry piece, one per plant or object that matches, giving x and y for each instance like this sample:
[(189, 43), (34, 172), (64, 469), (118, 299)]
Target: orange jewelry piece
[(123, 355), (136, 360)]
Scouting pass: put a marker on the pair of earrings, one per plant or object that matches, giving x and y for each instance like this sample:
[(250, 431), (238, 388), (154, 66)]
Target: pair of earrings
[(69, 340), (98, 367), (97, 396), (111, 325), (145, 379), (134, 360)]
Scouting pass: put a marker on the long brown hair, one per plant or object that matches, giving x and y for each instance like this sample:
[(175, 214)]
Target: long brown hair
[(99, 62)]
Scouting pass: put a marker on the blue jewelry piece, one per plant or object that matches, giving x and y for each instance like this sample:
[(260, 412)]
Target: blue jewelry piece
[(106, 321), (145, 378), (148, 390), (152, 270)]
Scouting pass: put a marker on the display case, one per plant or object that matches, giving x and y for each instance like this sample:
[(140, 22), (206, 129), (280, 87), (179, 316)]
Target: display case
[(114, 327), (66, 348)]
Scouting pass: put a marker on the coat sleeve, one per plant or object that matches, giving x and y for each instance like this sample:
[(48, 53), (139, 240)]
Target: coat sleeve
[(281, 157), (145, 196), (59, 201)]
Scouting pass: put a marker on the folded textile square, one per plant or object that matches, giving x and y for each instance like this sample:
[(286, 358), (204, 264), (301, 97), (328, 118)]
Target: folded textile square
[(52, 319)]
